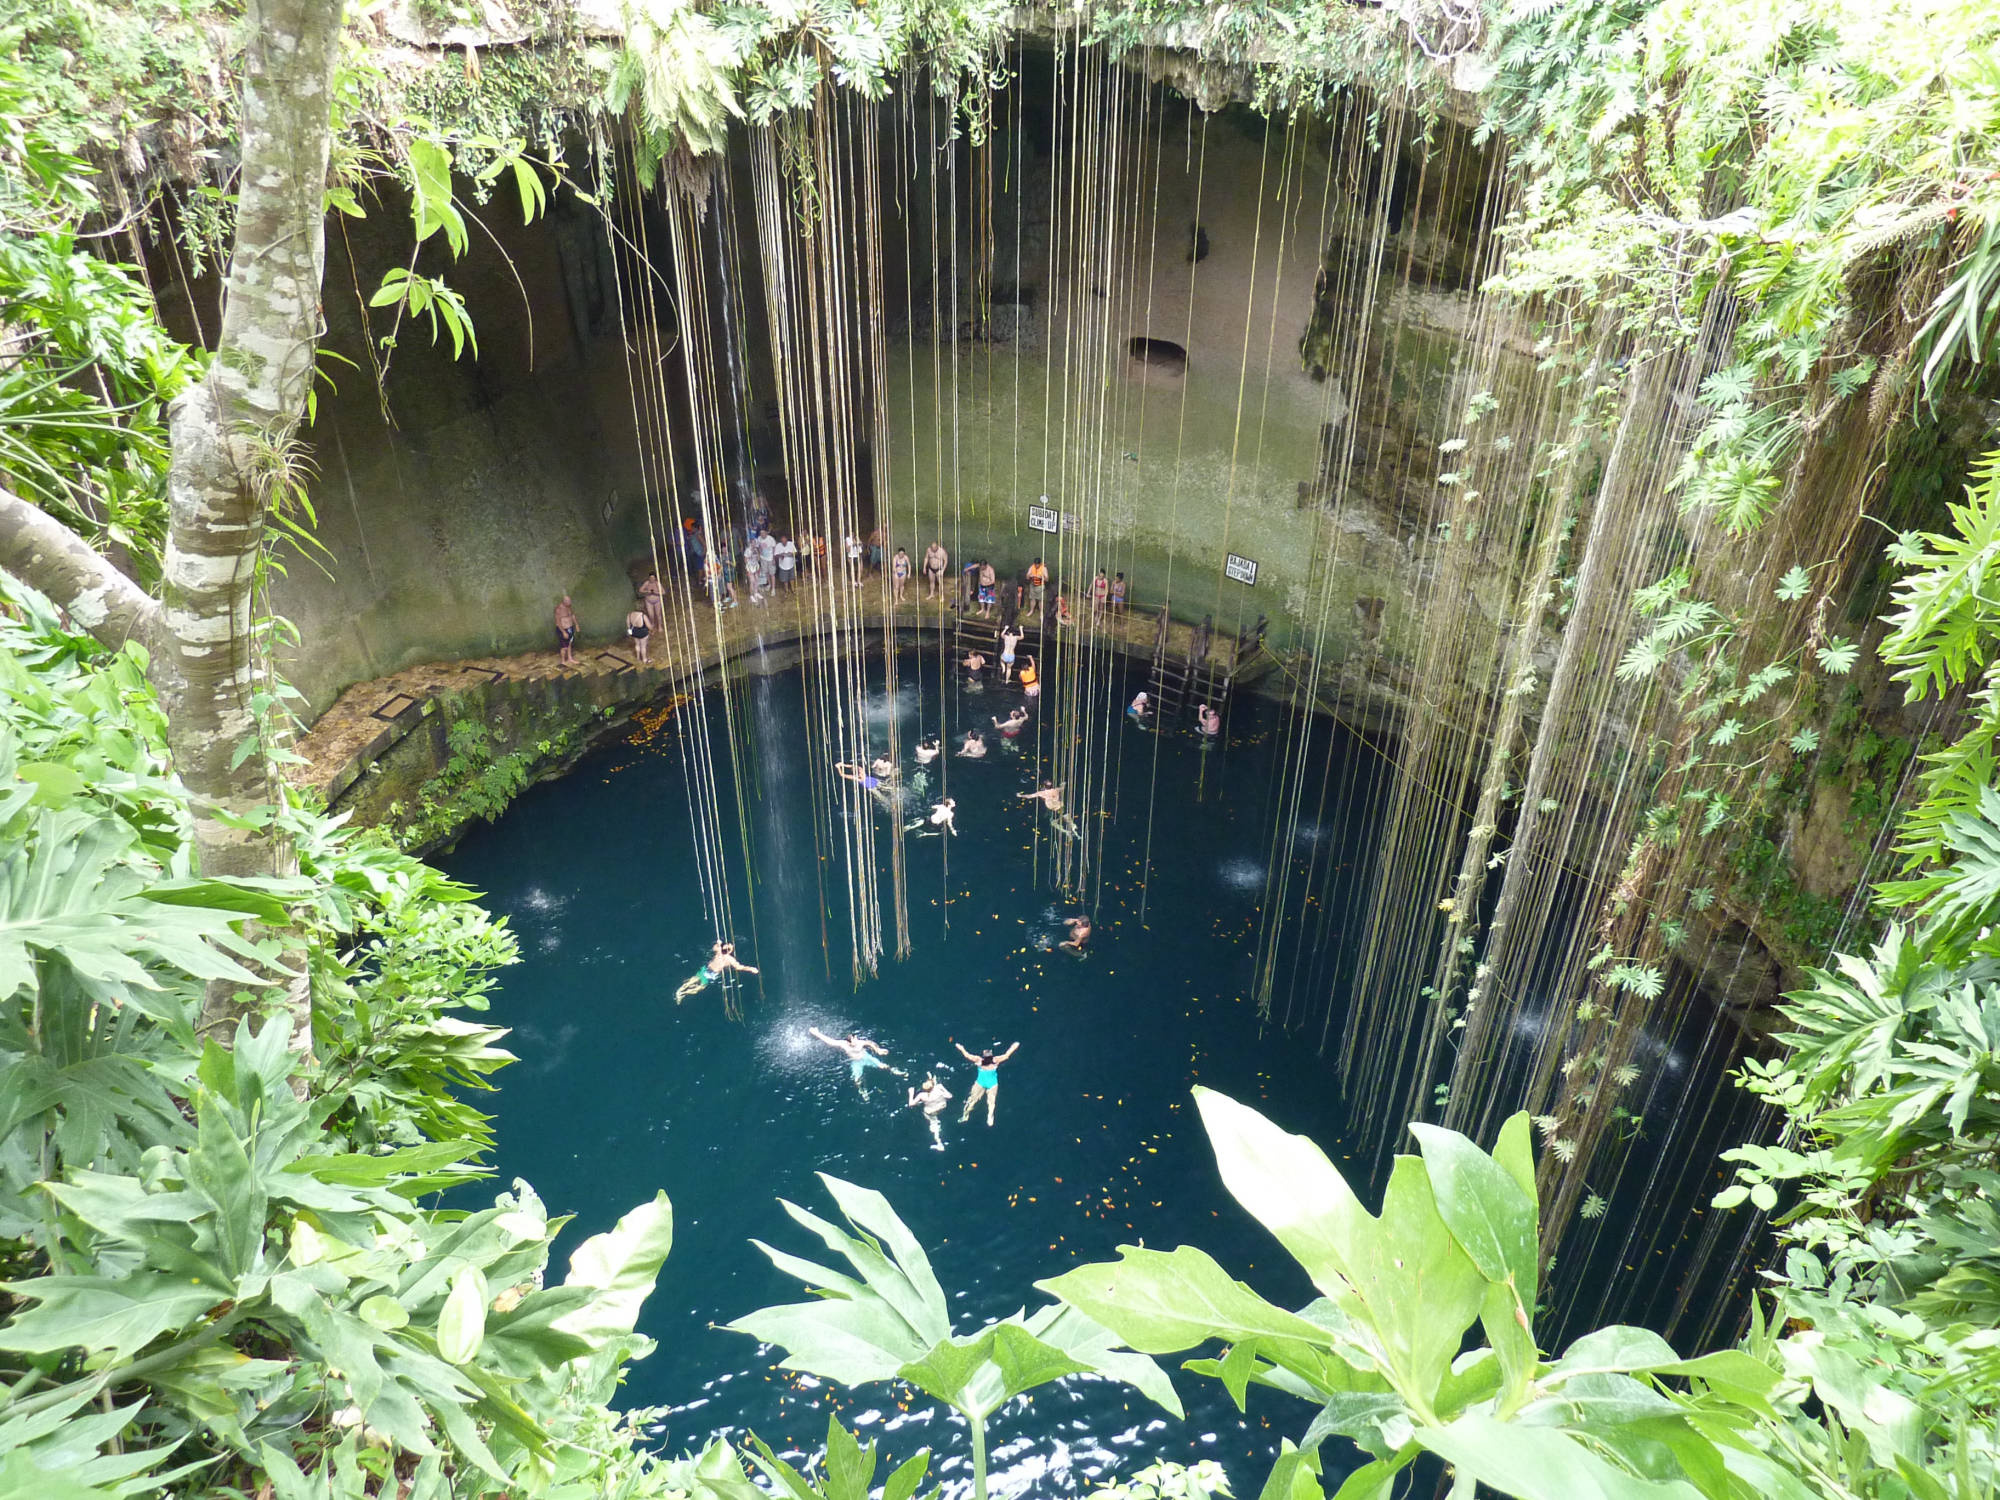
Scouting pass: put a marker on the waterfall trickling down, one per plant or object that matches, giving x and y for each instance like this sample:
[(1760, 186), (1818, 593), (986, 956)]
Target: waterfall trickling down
[(1462, 498)]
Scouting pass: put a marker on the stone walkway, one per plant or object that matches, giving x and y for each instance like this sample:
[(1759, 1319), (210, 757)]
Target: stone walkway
[(367, 718)]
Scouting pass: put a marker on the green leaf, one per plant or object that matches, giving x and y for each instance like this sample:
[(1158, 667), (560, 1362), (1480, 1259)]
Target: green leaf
[(219, 1171), (1161, 1302), (1484, 1208), (1795, 585), (1403, 1277), (1539, 1463), (119, 1316), (620, 1267)]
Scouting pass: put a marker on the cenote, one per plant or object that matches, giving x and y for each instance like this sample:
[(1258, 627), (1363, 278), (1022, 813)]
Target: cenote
[(621, 1093)]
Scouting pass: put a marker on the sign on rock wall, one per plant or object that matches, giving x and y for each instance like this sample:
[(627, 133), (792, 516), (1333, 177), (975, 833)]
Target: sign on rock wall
[(1242, 569)]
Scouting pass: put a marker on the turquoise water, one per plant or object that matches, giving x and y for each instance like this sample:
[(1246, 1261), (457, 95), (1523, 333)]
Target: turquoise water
[(621, 1093)]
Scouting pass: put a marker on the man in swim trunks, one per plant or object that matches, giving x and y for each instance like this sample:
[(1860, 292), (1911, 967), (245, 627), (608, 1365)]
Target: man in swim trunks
[(861, 1055), (566, 632), (936, 560), (1079, 933), (933, 1096), (1009, 639), (720, 962), (1038, 580), (988, 580), (987, 1082), (1013, 723)]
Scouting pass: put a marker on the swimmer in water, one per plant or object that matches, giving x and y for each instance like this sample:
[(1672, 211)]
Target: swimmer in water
[(883, 767), (1208, 720), (1031, 685), (1013, 723), (974, 746), (927, 750), (1009, 639), (1140, 706), (1079, 933), (933, 1096), (861, 1054), (974, 665), (871, 781), (986, 1084), (941, 820), (1050, 796), (720, 962)]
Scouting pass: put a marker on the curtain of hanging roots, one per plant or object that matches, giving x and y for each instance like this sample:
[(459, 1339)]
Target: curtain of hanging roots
[(1543, 827)]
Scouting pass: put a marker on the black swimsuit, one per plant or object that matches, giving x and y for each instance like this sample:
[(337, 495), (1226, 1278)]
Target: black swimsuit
[(638, 632)]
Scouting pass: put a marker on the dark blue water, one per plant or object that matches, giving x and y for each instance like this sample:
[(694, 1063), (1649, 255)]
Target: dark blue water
[(620, 1093)]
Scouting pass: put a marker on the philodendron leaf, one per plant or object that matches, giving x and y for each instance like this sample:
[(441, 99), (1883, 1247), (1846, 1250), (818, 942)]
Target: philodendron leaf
[(1402, 1281), (1379, 1421), (1095, 1347), (620, 1267), (1484, 1208), (117, 1315), (1288, 1186), (1539, 1463), (1160, 1302), (1295, 1476), (849, 1340)]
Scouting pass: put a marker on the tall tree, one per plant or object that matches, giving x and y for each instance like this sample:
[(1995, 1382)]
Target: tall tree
[(230, 429)]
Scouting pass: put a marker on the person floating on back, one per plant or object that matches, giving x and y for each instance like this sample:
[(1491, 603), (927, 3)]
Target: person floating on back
[(720, 962), (861, 1054), (933, 1096), (986, 1083)]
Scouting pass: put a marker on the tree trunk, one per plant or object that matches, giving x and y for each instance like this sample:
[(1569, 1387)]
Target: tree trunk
[(228, 429), (36, 547)]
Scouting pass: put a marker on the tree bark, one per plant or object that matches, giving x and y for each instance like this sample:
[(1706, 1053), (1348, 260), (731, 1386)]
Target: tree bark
[(46, 554), (227, 428)]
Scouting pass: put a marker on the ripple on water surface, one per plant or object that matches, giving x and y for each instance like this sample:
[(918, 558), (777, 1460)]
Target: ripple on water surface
[(621, 1093)]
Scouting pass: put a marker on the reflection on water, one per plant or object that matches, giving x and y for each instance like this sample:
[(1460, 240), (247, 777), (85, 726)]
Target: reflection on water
[(622, 1092)]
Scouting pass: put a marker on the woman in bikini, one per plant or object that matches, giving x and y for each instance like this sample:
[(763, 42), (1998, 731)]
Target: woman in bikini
[(720, 962), (1009, 639)]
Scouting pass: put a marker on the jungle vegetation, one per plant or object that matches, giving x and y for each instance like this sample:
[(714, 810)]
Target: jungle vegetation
[(234, 1050)]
